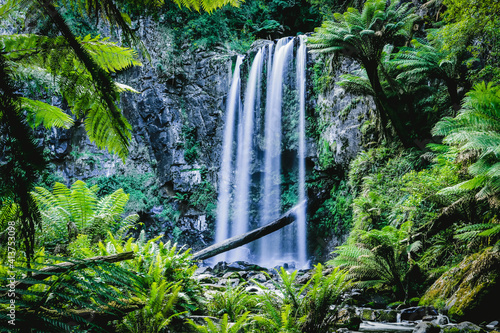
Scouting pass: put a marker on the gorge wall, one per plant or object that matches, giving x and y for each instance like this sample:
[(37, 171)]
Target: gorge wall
[(177, 124)]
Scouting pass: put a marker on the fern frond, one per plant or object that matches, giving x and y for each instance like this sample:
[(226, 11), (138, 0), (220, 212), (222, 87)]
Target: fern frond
[(40, 113)]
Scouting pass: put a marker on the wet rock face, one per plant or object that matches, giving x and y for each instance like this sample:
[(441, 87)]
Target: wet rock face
[(343, 132), (179, 110)]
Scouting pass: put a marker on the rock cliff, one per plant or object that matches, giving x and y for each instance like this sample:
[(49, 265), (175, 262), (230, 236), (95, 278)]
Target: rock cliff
[(177, 123)]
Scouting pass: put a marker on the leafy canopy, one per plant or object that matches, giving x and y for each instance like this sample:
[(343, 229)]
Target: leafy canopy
[(477, 128)]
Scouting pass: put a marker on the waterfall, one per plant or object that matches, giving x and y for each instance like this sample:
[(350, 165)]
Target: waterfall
[(301, 214), (271, 245), (223, 201), (244, 156), (270, 144)]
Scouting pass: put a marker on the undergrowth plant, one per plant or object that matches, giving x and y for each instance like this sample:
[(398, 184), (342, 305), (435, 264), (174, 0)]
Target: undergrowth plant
[(224, 326), (158, 312), (85, 296), (323, 300), (233, 301), (167, 274)]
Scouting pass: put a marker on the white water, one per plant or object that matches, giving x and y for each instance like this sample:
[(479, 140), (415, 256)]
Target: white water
[(259, 145), (271, 245), (301, 214), (244, 157), (226, 171)]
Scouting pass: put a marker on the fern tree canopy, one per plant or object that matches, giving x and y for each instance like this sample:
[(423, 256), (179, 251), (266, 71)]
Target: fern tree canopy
[(379, 257), (67, 212), (79, 68), (424, 62), (363, 35), (477, 128)]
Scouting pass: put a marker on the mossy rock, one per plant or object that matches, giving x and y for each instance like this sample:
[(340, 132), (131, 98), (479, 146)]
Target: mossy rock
[(464, 327), (470, 290), (388, 316)]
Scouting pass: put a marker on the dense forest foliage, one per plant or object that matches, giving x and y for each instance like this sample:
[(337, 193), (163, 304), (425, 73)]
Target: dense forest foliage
[(420, 201)]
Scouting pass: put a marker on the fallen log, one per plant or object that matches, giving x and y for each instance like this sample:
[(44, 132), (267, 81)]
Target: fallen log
[(65, 266), (115, 310), (248, 237)]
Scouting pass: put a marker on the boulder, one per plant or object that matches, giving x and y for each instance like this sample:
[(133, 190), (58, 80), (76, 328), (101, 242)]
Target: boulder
[(493, 325), (426, 327), (417, 313), (463, 327), (234, 275), (470, 290), (387, 316), (259, 277), (348, 319), (205, 278), (223, 267), (368, 314)]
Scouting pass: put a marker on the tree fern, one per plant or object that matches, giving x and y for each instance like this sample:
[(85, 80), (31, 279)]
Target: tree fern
[(60, 300), (378, 256), (79, 205), (474, 234), (363, 36), (428, 61), (477, 127), (40, 113), (104, 124)]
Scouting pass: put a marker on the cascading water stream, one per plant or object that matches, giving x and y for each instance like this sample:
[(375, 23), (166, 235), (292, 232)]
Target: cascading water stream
[(301, 214), (261, 138), (270, 246), (223, 204), (244, 157)]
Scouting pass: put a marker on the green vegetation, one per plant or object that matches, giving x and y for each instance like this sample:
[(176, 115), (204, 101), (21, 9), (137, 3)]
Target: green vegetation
[(66, 300), (420, 201), (68, 212), (438, 80), (363, 37)]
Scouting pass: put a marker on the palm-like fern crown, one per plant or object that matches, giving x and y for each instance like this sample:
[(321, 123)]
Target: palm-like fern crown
[(477, 127), (79, 205), (379, 256), (424, 61), (363, 35), (81, 65), (55, 57)]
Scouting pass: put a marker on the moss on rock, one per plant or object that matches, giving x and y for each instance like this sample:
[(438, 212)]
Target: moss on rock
[(468, 290)]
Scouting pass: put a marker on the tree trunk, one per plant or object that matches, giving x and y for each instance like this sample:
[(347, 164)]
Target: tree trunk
[(452, 87), (65, 266), (383, 104), (248, 237)]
